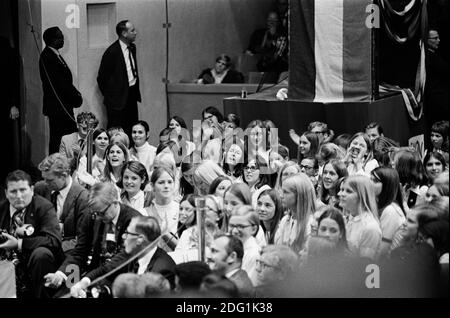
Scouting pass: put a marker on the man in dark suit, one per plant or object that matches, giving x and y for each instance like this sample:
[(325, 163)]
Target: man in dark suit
[(226, 256), (101, 234), (33, 232), (142, 233), (118, 79), (69, 198), (60, 96)]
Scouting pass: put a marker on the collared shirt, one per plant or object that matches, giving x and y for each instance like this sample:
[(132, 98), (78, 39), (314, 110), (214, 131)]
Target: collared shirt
[(61, 198), (136, 202), (231, 273), (126, 56), (363, 235), (57, 54), (144, 261)]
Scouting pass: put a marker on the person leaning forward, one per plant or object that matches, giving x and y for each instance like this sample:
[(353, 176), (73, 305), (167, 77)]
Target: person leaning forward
[(100, 237)]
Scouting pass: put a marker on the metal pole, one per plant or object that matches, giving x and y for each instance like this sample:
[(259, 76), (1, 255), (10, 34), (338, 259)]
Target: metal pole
[(201, 211), (89, 149)]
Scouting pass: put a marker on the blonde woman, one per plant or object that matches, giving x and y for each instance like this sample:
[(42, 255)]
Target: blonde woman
[(357, 199), (299, 198)]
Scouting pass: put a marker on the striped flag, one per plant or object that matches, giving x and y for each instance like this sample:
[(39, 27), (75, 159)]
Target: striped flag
[(330, 51)]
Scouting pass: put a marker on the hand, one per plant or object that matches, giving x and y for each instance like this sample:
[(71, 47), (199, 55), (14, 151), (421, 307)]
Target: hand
[(14, 113), (76, 149), (79, 289), (54, 280), (24, 230), (282, 94), (11, 244), (295, 138)]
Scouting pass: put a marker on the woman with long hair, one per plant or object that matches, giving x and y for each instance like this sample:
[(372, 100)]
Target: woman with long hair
[(187, 216), (288, 169), (270, 210), (434, 164), (412, 175), (116, 157), (390, 204), (359, 157), (233, 161), (308, 145), (357, 199), (100, 144), (300, 199), (211, 134), (331, 225), (163, 207), (256, 180), (333, 171)]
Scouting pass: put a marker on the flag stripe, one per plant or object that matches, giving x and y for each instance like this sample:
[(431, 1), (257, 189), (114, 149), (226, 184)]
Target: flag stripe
[(328, 25), (302, 71), (357, 52)]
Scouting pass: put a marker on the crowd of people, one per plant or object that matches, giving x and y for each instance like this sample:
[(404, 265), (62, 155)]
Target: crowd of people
[(274, 223)]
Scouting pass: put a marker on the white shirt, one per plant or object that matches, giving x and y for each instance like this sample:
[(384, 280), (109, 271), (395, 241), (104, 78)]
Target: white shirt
[(231, 273), (363, 235), (167, 215), (365, 170), (287, 230), (136, 202), (126, 56), (145, 260), (61, 198), (218, 78), (145, 154), (251, 254)]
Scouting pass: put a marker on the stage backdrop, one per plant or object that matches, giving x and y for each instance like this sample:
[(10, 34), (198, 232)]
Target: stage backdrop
[(330, 51)]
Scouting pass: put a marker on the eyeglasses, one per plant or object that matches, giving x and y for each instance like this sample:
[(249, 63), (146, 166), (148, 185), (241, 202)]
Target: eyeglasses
[(102, 213), (253, 168), (306, 167), (208, 117), (264, 265), (318, 132), (238, 226), (434, 38), (131, 233), (374, 179)]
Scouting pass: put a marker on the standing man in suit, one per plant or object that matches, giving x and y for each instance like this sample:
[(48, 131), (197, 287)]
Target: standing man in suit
[(141, 232), (33, 232), (69, 198), (100, 236), (60, 96), (226, 256), (118, 79)]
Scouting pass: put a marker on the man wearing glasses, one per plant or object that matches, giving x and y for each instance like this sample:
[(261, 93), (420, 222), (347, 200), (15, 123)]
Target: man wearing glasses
[(141, 234), (101, 235), (225, 257)]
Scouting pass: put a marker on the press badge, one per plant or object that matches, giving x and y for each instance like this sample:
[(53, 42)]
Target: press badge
[(110, 237)]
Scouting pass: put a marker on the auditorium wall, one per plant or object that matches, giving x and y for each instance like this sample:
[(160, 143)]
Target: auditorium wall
[(199, 31)]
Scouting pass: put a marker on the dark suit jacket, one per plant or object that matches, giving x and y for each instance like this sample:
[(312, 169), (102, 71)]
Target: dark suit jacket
[(243, 283), (42, 216), (61, 78), (160, 262), (91, 236), (75, 208), (112, 77)]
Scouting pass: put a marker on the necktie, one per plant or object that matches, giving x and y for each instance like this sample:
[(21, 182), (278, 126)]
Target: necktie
[(16, 221), (133, 68), (54, 199)]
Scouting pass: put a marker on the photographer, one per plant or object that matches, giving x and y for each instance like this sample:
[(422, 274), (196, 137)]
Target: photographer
[(100, 235), (141, 232), (32, 233)]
